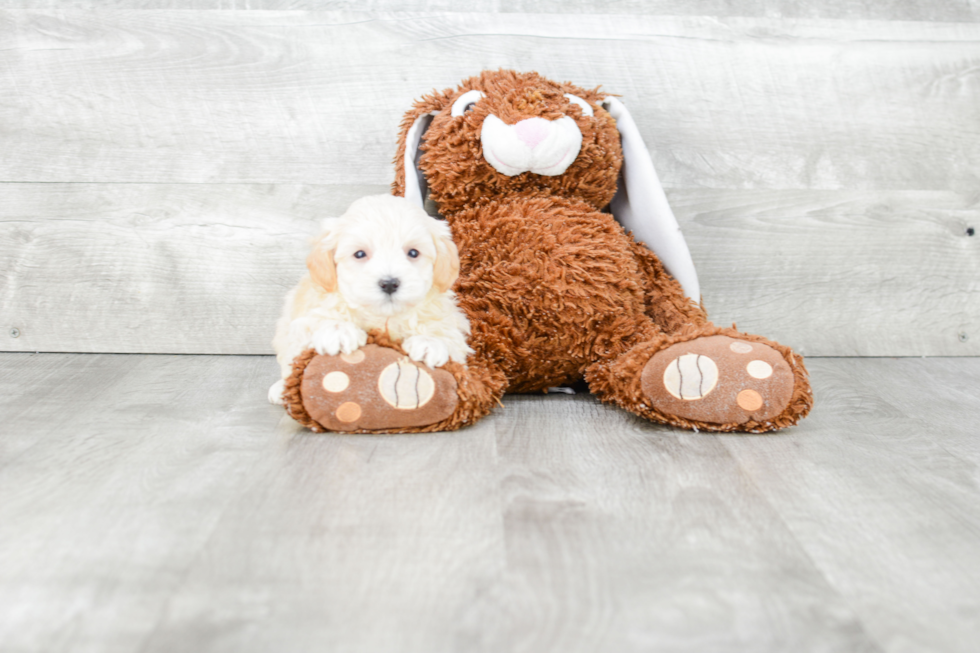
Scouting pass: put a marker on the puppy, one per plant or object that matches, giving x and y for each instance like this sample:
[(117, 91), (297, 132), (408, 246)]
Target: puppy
[(386, 265)]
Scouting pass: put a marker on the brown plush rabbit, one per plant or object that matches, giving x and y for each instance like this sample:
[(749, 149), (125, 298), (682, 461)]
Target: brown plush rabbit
[(556, 288)]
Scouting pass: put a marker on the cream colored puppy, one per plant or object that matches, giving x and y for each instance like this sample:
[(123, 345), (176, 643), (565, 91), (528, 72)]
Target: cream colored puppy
[(386, 265)]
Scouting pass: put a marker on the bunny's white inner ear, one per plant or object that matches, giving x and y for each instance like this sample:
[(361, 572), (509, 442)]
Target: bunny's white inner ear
[(640, 204), (415, 186)]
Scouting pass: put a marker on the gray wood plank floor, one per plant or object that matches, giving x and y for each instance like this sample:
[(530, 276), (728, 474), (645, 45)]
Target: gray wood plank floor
[(157, 503)]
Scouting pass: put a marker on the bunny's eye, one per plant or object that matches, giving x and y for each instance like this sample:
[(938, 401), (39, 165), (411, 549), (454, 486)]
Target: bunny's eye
[(466, 102), (360, 253), (585, 106)]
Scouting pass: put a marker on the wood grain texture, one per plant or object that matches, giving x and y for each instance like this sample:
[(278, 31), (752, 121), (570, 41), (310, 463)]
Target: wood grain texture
[(841, 273), (622, 536), (910, 470), (132, 461), (49, 391), (922, 10), (157, 503), (315, 97), (204, 268), (154, 268), (372, 544)]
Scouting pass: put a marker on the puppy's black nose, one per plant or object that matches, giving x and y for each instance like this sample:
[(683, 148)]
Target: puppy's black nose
[(389, 285)]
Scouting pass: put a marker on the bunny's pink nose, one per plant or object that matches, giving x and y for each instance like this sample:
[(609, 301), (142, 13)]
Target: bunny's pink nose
[(532, 131)]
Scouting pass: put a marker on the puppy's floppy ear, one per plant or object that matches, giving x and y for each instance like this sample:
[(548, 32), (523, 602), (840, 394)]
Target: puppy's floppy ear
[(409, 180), (445, 269), (320, 262)]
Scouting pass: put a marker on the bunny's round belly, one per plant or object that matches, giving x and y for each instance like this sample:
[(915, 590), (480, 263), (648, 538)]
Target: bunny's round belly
[(553, 282)]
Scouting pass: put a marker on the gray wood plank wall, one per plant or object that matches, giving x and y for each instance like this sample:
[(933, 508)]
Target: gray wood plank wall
[(928, 10), (161, 169)]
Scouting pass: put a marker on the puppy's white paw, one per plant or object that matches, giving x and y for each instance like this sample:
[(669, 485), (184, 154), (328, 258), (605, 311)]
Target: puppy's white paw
[(334, 338), (275, 392), (427, 349), (301, 329)]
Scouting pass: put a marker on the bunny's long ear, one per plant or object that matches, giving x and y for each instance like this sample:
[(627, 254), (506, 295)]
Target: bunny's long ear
[(415, 186), (640, 204), (409, 180)]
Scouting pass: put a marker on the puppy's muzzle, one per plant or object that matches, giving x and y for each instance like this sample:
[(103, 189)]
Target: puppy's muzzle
[(389, 285)]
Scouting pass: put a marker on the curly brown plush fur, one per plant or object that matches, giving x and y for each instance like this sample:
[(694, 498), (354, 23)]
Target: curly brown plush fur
[(554, 288), (460, 178)]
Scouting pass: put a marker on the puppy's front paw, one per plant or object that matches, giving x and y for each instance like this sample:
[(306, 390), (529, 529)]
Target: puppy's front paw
[(334, 338), (275, 392), (427, 349)]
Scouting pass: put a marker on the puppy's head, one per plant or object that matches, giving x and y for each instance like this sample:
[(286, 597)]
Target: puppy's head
[(384, 255)]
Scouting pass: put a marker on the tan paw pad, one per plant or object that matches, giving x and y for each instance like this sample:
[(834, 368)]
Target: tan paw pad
[(749, 400), (691, 376), (336, 382), (759, 369), (348, 412), (406, 386), (354, 357)]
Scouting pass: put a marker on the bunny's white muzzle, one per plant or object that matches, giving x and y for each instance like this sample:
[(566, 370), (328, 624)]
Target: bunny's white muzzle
[(544, 147)]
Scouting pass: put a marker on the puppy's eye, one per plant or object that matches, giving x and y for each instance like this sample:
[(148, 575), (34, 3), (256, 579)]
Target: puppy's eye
[(466, 102), (360, 253), (413, 253), (585, 106)]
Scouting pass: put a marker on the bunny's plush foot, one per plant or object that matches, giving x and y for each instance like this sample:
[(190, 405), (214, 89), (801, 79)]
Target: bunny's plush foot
[(718, 380), (371, 389), (379, 389)]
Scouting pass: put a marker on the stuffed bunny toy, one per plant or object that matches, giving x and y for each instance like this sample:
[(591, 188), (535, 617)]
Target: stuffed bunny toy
[(571, 266)]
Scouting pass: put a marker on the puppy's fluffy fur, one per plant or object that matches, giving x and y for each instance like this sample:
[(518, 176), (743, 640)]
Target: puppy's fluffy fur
[(383, 265)]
